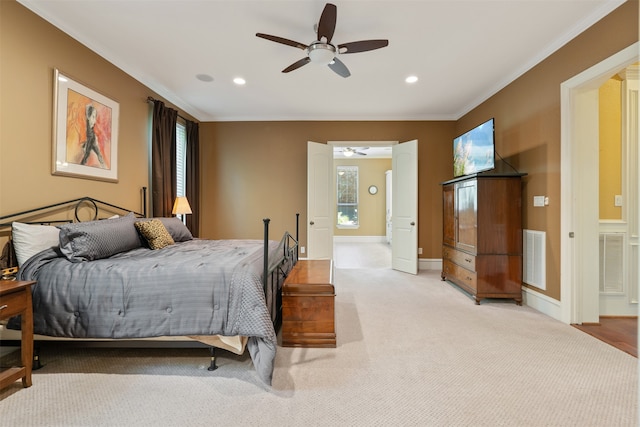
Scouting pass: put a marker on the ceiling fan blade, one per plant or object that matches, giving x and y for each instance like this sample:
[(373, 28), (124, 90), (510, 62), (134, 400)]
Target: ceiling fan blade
[(362, 46), (361, 153), (297, 64), (339, 68), (327, 24), (282, 40)]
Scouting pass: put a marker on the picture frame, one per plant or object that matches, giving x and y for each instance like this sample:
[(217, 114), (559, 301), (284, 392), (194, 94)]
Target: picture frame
[(85, 131)]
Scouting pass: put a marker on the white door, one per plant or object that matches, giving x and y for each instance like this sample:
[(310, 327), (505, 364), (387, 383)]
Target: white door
[(319, 201), (388, 206), (404, 183)]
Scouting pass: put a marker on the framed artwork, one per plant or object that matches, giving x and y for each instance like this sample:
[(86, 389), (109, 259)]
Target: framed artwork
[(85, 131)]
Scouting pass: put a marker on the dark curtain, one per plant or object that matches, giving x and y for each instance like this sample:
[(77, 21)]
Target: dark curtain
[(163, 160), (193, 176)]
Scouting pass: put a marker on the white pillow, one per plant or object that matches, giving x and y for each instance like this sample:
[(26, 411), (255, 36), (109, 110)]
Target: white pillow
[(29, 239)]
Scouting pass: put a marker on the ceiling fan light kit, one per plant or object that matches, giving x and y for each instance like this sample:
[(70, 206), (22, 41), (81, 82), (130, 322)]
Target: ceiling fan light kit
[(321, 51)]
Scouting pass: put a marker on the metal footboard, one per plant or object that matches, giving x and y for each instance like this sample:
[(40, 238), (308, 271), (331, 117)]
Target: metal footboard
[(274, 273)]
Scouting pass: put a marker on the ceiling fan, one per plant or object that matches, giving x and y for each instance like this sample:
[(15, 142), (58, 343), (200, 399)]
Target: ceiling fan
[(348, 151), (322, 51)]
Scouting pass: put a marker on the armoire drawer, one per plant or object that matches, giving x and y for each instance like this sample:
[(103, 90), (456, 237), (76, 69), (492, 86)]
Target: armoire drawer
[(460, 276), (458, 257)]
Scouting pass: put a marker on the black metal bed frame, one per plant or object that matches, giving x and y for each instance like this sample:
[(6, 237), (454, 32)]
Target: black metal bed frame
[(275, 273), (78, 203)]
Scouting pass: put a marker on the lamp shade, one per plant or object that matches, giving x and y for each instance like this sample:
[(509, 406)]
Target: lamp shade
[(181, 206)]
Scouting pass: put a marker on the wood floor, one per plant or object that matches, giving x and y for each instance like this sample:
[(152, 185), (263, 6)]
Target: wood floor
[(620, 332)]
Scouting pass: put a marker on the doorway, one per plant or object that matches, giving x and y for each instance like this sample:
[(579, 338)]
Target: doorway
[(364, 246), (579, 216), (321, 212), (404, 223)]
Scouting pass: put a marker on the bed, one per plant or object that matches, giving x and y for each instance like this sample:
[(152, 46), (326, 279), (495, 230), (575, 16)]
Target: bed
[(130, 277)]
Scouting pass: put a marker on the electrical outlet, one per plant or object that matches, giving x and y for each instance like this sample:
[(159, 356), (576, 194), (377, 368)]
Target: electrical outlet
[(419, 251), (617, 200), (301, 249)]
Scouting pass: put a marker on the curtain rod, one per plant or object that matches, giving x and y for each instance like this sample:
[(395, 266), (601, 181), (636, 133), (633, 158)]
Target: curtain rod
[(150, 99)]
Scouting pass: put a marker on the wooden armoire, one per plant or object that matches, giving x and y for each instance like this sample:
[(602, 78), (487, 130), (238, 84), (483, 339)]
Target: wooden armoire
[(482, 235)]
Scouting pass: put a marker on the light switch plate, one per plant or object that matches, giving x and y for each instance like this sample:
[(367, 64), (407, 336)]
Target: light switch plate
[(538, 201)]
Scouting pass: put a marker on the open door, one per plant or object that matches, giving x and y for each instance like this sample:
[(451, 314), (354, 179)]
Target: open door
[(319, 201), (404, 245)]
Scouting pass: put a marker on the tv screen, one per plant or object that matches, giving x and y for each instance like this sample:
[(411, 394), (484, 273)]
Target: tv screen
[(474, 151)]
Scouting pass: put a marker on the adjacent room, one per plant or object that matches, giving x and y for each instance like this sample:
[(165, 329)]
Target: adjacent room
[(310, 213)]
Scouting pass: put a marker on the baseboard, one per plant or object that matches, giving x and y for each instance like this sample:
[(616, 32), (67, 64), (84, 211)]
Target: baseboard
[(429, 264), (544, 304), (360, 239)]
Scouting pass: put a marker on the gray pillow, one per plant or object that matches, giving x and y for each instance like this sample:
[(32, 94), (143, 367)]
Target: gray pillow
[(179, 232), (88, 241)]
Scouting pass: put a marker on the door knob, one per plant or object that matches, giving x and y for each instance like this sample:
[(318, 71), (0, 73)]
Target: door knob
[(412, 223), (311, 223)]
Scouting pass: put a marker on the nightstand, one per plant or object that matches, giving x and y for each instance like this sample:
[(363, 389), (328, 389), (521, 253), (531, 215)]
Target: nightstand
[(15, 299)]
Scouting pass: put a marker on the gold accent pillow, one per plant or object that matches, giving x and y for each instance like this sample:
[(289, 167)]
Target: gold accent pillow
[(155, 233)]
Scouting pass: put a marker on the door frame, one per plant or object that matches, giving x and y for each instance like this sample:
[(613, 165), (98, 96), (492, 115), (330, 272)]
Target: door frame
[(579, 99)]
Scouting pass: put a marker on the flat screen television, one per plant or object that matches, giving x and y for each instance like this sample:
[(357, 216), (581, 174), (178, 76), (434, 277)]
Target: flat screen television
[(474, 151)]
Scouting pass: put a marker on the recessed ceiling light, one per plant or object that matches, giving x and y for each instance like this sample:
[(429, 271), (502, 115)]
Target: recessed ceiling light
[(411, 79), (204, 77), (239, 81)]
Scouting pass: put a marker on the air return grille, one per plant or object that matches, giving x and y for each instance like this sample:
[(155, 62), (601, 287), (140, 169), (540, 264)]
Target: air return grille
[(611, 262), (534, 268)]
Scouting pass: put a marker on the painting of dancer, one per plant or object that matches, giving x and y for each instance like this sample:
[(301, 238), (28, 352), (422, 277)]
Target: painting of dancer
[(85, 141)]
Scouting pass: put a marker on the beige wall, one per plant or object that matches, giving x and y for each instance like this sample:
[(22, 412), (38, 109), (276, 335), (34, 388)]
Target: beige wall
[(371, 208), (31, 49), (260, 170), (527, 114), (253, 170)]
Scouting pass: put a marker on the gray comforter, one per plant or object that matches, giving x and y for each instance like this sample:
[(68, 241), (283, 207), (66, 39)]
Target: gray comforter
[(198, 287)]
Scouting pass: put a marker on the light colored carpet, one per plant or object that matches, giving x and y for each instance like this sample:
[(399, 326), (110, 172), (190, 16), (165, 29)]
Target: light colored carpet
[(362, 255), (412, 351)]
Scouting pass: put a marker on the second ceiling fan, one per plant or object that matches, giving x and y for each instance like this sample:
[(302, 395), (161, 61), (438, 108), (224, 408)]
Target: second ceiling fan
[(322, 51), (349, 151)]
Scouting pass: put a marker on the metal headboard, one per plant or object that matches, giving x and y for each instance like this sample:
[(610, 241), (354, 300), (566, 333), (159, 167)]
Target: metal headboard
[(78, 204)]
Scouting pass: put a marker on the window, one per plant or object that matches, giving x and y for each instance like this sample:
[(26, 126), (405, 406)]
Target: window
[(181, 160), (347, 206)]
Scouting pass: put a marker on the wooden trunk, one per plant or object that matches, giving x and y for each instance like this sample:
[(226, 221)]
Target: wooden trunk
[(308, 301)]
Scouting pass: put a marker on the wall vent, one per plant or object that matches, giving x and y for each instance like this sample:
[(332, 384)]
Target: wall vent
[(611, 263), (534, 268)]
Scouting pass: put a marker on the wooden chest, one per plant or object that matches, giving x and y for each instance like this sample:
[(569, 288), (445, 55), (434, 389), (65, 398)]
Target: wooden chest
[(308, 305)]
